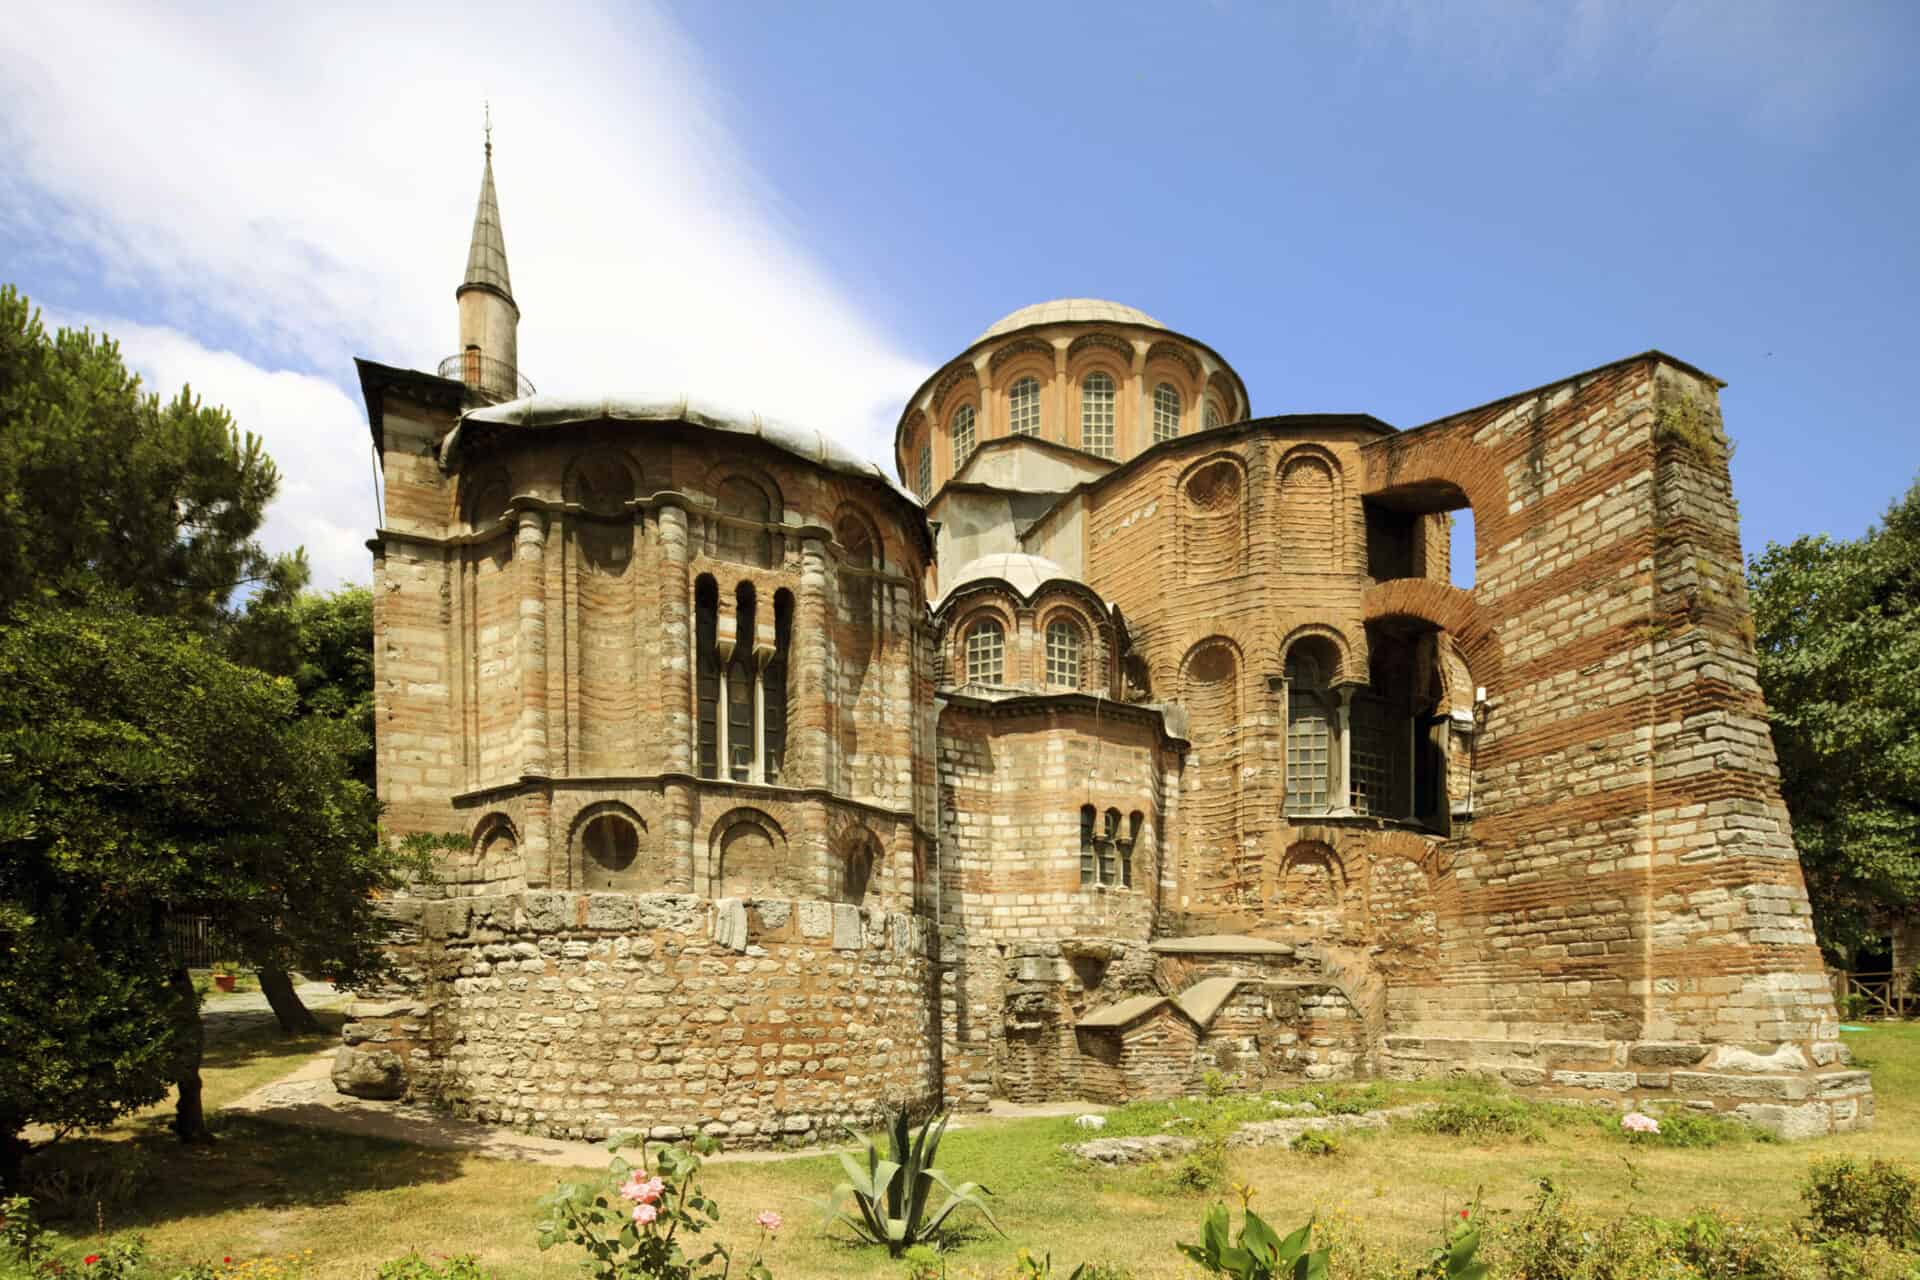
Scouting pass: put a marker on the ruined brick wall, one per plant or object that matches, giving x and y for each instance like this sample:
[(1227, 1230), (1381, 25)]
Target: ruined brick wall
[(576, 1014)]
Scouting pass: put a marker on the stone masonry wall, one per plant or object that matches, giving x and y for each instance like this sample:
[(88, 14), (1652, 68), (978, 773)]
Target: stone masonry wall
[(577, 1014)]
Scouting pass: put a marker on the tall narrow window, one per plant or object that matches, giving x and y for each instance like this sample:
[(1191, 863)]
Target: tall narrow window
[(1023, 407), (1089, 868), (1109, 850), (1309, 735), (775, 682), (1212, 417), (986, 652), (1063, 654), (1096, 414), (1166, 412), (923, 476), (740, 690), (706, 614), (962, 436), (1129, 847)]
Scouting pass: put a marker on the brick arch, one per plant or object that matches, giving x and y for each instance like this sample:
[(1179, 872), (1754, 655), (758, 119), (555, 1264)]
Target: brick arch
[(993, 603), (1353, 658), (1447, 607), (1407, 461), (958, 372)]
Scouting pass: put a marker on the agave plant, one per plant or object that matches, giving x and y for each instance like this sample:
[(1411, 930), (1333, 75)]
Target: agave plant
[(890, 1194)]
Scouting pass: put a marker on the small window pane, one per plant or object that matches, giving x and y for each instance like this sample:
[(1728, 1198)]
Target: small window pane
[(986, 651), (1096, 414), (1063, 655), (1023, 407), (1089, 871), (1309, 751), (962, 436), (1166, 412), (924, 479)]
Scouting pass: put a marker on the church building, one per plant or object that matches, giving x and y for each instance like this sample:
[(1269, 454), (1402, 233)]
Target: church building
[(1112, 739)]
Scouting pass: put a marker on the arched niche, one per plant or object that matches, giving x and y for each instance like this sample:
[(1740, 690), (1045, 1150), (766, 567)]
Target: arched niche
[(611, 848), (748, 852)]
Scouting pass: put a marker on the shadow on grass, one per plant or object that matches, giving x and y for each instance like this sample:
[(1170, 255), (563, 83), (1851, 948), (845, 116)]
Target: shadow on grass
[(150, 1178)]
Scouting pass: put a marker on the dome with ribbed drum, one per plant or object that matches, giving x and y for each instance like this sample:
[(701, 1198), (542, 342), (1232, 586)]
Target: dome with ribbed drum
[(1025, 573), (1069, 311)]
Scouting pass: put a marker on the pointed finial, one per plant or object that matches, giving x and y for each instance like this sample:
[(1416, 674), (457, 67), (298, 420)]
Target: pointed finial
[(488, 108)]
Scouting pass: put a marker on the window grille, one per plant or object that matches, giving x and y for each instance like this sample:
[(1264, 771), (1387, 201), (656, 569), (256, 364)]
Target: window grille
[(1089, 871), (1309, 751), (1023, 407), (1063, 654), (1096, 414), (1212, 416), (962, 436), (986, 652), (1166, 412), (706, 603), (924, 478), (1109, 851), (1372, 757)]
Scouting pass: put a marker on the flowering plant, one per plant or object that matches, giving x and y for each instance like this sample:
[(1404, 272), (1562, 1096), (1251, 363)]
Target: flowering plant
[(640, 1221), (1635, 1123)]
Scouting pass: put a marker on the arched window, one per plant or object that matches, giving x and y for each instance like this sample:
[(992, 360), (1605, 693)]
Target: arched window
[(923, 473), (1096, 414), (1063, 654), (1109, 850), (1127, 846), (1212, 417), (773, 680), (1089, 865), (986, 652), (706, 618), (741, 726), (1310, 728), (1166, 412), (962, 435), (1023, 407)]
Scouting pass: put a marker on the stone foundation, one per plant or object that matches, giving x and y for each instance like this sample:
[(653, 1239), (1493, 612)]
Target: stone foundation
[(763, 1021)]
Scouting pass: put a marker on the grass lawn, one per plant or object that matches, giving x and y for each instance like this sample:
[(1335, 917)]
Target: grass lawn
[(355, 1202)]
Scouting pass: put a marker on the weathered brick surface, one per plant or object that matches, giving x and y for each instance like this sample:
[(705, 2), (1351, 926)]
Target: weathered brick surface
[(1596, 894)]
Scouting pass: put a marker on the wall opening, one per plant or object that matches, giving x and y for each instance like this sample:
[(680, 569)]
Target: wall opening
[(1423, 530)]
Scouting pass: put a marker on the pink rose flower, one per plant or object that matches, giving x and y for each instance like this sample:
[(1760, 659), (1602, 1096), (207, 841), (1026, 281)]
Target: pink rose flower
[(769, 1221), (643, 1214), (645, 1192)]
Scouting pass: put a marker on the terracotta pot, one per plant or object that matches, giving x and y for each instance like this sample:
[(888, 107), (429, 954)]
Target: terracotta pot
[(225, 981)]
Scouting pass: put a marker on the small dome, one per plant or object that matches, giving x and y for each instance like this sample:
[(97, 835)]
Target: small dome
[(1024, 573), (1069, 311)]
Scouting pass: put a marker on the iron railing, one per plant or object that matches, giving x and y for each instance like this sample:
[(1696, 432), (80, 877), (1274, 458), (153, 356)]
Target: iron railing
[(485, 374)]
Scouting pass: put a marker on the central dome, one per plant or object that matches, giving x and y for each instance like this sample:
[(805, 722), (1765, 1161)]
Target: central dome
[(1068, 311)]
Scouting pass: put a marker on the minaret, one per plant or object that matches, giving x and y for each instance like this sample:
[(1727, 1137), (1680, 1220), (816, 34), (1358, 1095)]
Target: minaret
[(489, 318)]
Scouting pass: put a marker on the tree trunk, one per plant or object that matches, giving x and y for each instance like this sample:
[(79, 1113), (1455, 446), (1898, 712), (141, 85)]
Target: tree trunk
[(189, 1119), (13, 1151), (295, 1018)]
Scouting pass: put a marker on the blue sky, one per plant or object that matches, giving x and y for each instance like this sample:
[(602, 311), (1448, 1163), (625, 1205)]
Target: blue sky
[(1403, 209)]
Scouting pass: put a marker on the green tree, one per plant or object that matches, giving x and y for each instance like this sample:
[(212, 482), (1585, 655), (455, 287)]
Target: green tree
[(103, 482), (145, 770), (1837, 626)]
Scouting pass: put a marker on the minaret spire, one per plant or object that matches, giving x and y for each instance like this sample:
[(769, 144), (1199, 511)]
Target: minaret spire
[(489, 317)]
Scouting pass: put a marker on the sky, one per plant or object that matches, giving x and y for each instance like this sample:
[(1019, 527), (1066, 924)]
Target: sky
[(1399, 207)]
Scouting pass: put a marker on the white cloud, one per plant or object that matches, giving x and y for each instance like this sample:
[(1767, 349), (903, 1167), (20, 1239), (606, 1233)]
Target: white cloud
[(299, 185), (315, 433)]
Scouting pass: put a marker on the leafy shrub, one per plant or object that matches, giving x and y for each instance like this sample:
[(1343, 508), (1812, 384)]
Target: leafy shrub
[(1204, 1168), (1847, 1198), (1316, 1142), (890, 1196), (74, 1180), (1480, 1119), (1687, 1128), (1255, 1252), (631, 1222)]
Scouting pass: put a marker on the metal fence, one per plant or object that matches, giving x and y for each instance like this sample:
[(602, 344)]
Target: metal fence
[(191, 941)]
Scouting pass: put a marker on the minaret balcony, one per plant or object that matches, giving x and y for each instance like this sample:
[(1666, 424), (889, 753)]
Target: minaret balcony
[(493, 380)]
